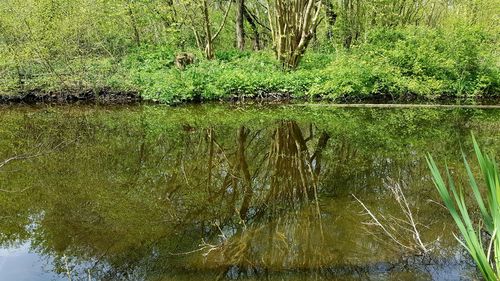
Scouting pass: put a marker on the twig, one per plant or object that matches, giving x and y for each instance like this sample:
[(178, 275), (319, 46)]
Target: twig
[(68, 271), (394, 224), (377, 222)]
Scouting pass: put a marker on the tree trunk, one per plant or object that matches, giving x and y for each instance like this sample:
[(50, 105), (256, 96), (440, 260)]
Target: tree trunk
[(240, 31), (256, 34), (245, 172), (293, 25), (209, 50), (137, 37), (331, 19)]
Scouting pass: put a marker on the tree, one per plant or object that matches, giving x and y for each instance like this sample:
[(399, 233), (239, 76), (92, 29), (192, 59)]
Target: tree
[(251, 19), (331, 19), (293, 25), (133, 23), (240, 31), (204, 39)]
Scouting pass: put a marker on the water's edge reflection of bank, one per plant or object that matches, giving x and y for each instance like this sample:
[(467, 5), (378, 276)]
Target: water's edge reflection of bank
[(158, 193)]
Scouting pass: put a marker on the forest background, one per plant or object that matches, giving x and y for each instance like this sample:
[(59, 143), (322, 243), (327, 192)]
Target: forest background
[(191, 50)]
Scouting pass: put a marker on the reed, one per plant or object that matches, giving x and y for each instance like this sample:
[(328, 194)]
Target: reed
[(485, 255)]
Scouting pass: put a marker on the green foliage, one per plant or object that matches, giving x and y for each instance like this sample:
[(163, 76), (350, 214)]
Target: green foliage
[(400, 63), (415, 61), (55, 45), (489, 206), (232, 74)]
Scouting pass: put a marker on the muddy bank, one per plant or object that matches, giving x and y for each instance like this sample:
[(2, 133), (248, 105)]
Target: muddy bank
[(100, 95), (109, 96)]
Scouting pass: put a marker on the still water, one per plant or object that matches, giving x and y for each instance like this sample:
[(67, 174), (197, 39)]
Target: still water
[(224, 192)]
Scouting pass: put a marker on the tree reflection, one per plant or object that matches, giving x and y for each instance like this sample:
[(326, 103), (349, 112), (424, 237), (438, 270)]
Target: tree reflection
[(133, 201)]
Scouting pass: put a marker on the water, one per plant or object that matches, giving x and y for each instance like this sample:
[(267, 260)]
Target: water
[(227, 192)]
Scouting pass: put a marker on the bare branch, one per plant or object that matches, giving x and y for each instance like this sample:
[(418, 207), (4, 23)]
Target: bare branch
[(223, 21), (393, 226)]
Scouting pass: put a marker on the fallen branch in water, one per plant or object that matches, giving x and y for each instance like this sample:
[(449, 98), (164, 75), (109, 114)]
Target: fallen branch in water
[(26, 156), (13, 158), (393, 226), (205, 247), (376, 222), (17, 157)]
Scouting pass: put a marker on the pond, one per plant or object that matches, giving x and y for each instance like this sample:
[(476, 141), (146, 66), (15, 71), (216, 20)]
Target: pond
[(150, 192)]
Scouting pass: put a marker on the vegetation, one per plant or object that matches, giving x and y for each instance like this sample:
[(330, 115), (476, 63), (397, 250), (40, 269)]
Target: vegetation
[(293, 24), (318, 48), (486, 256)]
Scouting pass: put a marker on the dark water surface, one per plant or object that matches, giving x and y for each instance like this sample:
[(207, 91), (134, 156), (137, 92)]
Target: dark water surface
[(225, 192)]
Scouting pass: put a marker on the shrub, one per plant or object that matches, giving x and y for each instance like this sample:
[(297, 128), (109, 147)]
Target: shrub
[(414, 61)]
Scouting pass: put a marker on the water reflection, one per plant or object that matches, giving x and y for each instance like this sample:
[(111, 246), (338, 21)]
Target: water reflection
[(154, 193), (19, 264)]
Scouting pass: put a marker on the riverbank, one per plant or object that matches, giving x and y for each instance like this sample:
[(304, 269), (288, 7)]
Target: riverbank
[(410, 65), (106, 96), (101, 96)]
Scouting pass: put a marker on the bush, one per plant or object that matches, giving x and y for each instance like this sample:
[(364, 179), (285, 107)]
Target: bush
[(242, 74), (414, 61)]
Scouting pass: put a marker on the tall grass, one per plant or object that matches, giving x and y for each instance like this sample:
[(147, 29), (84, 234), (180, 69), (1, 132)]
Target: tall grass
[(486, 256)]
